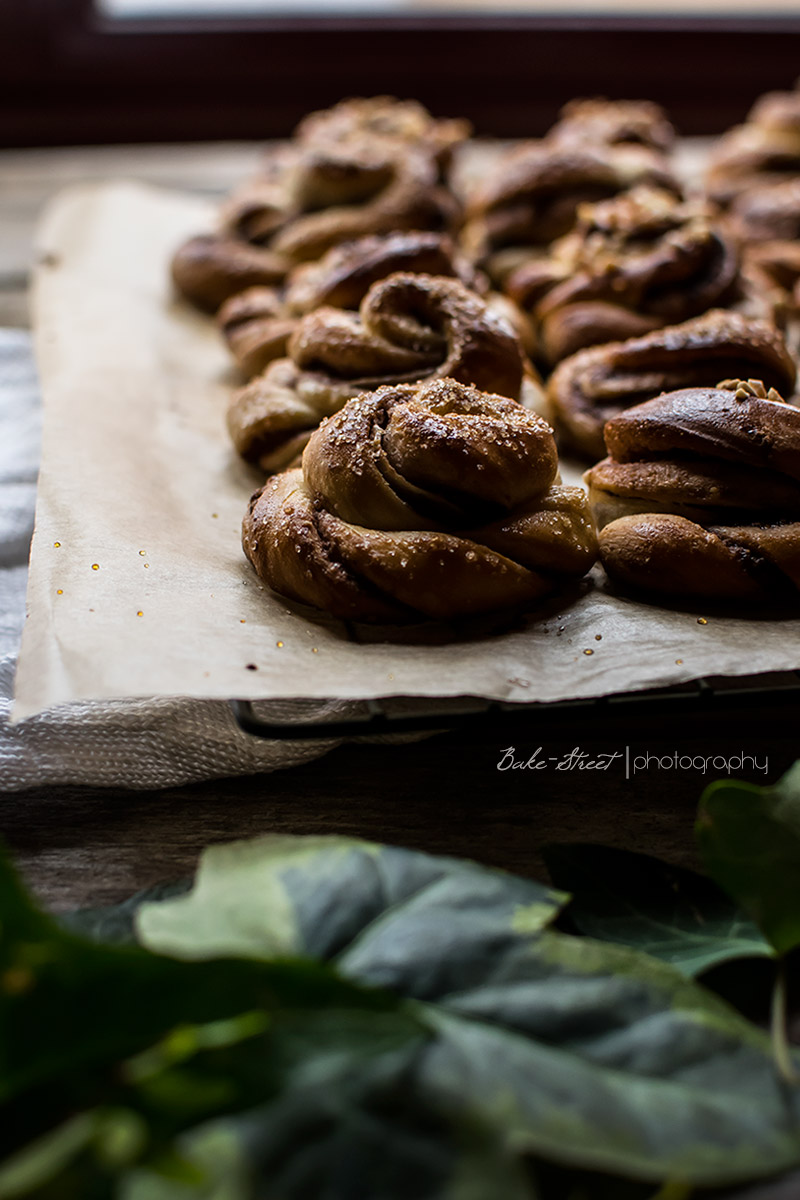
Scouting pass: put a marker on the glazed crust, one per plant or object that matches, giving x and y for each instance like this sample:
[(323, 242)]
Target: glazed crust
[(700, 495), (596, 384), (432, 500), (711, 423), (409, 327)]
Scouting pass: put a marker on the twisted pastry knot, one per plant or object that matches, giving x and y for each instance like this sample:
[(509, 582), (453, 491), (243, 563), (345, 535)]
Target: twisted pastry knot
[(633, 264), (597, 384), (408, 328), (341, 192), (402, 123), (767, 212), (534, 195), (208, 269), (766, 220), (427, 500), (700, 494), (765, 150), (362, 167), (258, 322), (599, 121)]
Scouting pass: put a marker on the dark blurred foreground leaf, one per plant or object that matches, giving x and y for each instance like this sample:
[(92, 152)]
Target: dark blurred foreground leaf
[(576, 1051), (508, 1041), (749, 838), (669, 912)]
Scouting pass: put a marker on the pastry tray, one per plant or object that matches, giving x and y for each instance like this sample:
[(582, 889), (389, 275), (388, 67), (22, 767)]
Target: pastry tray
[(138, 588), (711, 698)]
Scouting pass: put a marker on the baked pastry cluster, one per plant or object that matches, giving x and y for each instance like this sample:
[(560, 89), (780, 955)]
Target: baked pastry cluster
[(764, 150), (754, 177), (597, 384), (699, 496), (534, 195), (363, 167), (632, 264), (404, 124), (408, 328), (258, 321), (394, 317), (427, 500), (599, 122)]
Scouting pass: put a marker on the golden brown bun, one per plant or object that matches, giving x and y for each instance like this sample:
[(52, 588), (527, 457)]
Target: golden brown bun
[(706, 490), (595, 385), (599, 121), (409, 327), (421, 500), (633, 264), (779, 262), (535, 192), (345, 274), (700, 495), (257, 325), (208, 269)]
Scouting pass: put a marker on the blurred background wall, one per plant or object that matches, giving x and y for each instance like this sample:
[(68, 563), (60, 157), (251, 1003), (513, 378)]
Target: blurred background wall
[(94, 71)]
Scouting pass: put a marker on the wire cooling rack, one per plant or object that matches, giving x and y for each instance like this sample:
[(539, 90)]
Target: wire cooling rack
[(416, 715)]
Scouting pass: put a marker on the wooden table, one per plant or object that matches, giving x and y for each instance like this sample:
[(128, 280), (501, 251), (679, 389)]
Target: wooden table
[(80, 846)]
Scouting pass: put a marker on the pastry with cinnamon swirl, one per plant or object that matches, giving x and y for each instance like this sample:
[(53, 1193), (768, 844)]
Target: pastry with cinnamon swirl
[(765, 150), (363, 167), (597, 384), (408, 328), (344, 192), (632, 264), (258, 322), (534, 195), (598, 121), (699, 496), (430, 500), (766, 220), (385, 119), (210, 268)]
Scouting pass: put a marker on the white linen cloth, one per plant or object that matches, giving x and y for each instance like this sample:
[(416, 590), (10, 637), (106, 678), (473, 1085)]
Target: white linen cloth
[(127, 743)]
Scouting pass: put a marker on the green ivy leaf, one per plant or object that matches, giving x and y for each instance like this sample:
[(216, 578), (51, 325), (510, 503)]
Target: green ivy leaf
[(76, 1017), (320, 896), (636, 900), (589, 1054), (749, 838), (493, 1041)]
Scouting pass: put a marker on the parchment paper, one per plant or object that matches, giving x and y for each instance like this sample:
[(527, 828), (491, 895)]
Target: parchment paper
[(138, 585)]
